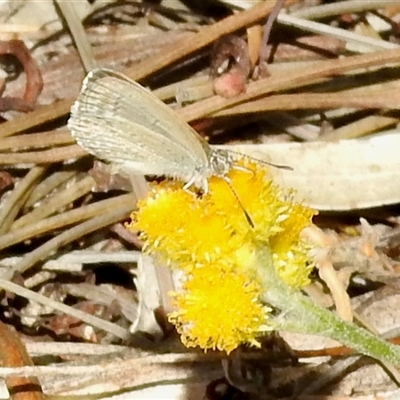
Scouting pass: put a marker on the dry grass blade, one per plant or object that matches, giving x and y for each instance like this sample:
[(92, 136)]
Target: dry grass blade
[(57, 202), (341, 7), (45, 250), (90, 319), (36, 140), (18, 198), (66, 219), (77, 31), (291, 80), (146, 68)]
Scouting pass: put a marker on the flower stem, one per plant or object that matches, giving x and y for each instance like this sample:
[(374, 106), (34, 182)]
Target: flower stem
[(300, 314)]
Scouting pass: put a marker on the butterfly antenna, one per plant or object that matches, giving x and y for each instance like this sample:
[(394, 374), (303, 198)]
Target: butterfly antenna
[(279, 166), (246, 214)]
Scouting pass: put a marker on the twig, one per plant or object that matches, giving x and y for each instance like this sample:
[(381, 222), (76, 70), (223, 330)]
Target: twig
[(13, 354), (263, 53)]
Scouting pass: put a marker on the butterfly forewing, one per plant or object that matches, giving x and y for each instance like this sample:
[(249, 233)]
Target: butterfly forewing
[(118, 120)]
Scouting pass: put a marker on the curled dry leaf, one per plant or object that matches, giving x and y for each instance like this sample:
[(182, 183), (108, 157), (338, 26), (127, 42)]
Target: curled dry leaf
[(230, 65), (34, 82)]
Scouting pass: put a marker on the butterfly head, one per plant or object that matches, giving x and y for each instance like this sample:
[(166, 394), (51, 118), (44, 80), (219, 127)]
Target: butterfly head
[(220, 162)]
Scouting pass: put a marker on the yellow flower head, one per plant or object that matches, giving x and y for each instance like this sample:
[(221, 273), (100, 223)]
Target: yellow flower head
[(218, 308), (209, 238)]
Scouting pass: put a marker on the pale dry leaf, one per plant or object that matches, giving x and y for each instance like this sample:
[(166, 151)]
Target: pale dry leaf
[(149, 298), (344, 175)]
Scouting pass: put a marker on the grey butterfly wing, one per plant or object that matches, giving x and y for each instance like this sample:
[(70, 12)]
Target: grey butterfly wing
[(118, 120), (138, 158)]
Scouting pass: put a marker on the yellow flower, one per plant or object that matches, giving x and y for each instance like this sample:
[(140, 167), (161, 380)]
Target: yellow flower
[(209, 238), (250, 189), (290, 254), (183, 228), (218, 308)]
